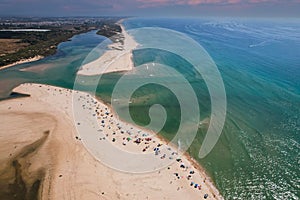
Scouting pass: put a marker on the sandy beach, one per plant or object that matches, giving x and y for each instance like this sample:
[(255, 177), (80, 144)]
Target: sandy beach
[(35, 58), (117, 58), (39, 133)]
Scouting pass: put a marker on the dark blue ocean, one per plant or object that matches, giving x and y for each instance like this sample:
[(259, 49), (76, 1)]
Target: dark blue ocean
[(258, 153)]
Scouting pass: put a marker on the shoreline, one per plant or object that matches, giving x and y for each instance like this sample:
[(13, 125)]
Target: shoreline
[(118, 58), (23, 61), (68, 164), (213, 189)]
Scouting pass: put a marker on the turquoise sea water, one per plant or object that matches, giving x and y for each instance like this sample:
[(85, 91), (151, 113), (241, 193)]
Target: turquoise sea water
[(258, 153)]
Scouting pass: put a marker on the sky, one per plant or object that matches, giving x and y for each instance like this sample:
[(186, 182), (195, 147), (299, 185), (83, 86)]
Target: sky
[(151, 8)]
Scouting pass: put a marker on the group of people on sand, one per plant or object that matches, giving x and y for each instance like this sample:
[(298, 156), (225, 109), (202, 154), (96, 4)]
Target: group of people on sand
[(117, 131)]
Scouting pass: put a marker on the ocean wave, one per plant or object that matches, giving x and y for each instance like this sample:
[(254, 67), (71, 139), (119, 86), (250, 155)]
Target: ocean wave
[(261, 44), (247, 29)]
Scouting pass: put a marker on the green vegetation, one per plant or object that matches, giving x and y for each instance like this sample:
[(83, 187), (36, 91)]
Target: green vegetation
[(27, 44)]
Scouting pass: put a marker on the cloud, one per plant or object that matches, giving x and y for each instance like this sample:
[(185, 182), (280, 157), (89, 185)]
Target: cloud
[(262, 1), (153, 3), (158, 3), (198, 2)]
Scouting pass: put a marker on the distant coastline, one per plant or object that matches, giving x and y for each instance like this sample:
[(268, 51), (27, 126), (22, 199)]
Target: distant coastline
[(25, 30)]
